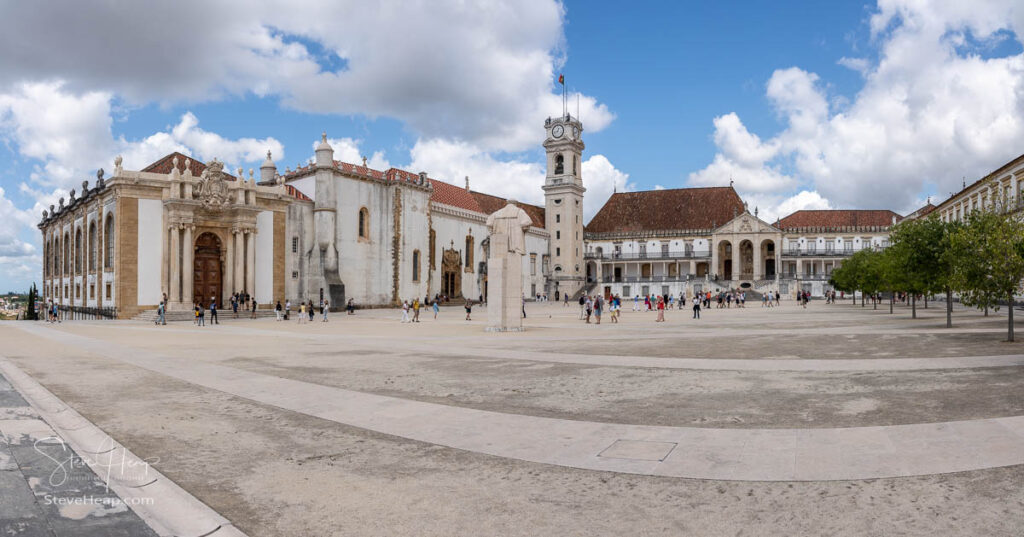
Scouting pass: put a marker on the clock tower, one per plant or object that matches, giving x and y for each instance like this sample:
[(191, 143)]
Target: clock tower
[(563, 204)]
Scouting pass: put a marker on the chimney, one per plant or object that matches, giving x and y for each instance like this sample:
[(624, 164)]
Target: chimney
[(467, 182)]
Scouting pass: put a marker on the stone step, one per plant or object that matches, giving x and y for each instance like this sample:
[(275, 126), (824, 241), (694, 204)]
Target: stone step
[(188, 315)]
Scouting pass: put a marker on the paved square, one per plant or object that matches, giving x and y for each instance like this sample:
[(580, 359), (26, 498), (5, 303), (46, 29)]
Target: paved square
[(849, 421), (640, 450)]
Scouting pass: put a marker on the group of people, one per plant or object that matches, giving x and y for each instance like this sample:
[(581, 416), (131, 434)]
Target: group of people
[(594, 306), (306, 312), (416, 305)]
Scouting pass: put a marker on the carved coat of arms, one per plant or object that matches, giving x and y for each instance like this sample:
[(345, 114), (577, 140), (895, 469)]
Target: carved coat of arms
[(213, 188)]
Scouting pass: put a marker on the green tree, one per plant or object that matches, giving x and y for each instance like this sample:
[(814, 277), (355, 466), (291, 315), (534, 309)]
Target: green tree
[(987, 256), (30, 304), (920, 257)]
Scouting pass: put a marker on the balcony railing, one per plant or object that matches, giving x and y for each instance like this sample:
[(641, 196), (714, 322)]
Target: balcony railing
[(618, 256), (836, 252)]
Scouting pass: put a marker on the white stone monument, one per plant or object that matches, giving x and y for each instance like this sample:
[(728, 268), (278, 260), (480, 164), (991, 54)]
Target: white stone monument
[(505, 268)]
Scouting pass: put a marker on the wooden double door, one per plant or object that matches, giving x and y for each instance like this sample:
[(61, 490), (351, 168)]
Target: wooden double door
[(208, 276)]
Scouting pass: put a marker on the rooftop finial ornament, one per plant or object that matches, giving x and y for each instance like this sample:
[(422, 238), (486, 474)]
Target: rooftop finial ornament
[(364, 161), (117, 165)]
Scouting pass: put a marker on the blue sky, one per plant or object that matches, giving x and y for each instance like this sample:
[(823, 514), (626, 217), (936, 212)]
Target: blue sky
[(803, 104)]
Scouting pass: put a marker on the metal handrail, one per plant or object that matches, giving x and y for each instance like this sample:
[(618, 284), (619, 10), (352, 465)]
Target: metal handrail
[(613, 256)]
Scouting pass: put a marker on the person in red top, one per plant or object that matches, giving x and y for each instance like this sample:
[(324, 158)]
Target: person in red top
[(661, 310)]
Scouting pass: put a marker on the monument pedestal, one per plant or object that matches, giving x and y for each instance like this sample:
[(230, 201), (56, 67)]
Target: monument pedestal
[(504, 292)]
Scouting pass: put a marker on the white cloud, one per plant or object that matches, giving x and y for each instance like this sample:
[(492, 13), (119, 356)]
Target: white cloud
[(860, 65), (803, 200), (453, 161), (480, 72), (601, 178), (347, 150), (932, 110)]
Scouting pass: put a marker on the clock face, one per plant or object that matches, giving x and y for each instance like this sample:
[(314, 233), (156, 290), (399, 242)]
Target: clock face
[(557, 131), (575, 132)]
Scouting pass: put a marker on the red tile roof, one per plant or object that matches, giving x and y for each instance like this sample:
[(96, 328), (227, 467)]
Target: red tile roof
[(450, 194), (663, 210), (165, 164), (489, 204), (840, 218), (294, 192)]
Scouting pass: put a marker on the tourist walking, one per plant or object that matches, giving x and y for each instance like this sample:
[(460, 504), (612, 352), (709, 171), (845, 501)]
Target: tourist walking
[(351, 306), (469, 309), (614, 307), (661, 310), (435, 307), (160, 319), (416, 310), (302, 312), (405, 311), (277, 310), (309, 310), (253, 316), (598, 303), (202, 314), (287, 309), (213, 310), (324, 308), (234, 305), (696, 309)]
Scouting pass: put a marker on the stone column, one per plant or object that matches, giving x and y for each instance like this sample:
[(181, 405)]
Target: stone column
[(250, 262), (713, 268), (174, 283), (758, 271), (188, 266), (239, 261), (229, 266), (799, 268)]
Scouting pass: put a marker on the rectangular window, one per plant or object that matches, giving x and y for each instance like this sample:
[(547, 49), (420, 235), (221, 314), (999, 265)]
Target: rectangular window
[(533, 264), (416, 265), (295, 274), (295, 245), (558, 218), (558, 235), (108, 291), (558, 252), (92, 290), (645, 290), (625, 290)]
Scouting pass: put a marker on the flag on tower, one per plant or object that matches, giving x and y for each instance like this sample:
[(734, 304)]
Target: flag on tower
[(561, 79)]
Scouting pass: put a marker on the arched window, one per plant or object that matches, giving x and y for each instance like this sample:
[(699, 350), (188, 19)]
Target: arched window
[(78, 251), (67, 253), (415, 265), (92, 246), (364, 223), (469, 252), (575, 160), (108, 236), (559, 165)]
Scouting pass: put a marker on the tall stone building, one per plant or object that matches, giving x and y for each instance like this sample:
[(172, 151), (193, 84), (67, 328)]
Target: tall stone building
[(339, 231), (563, 202)]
